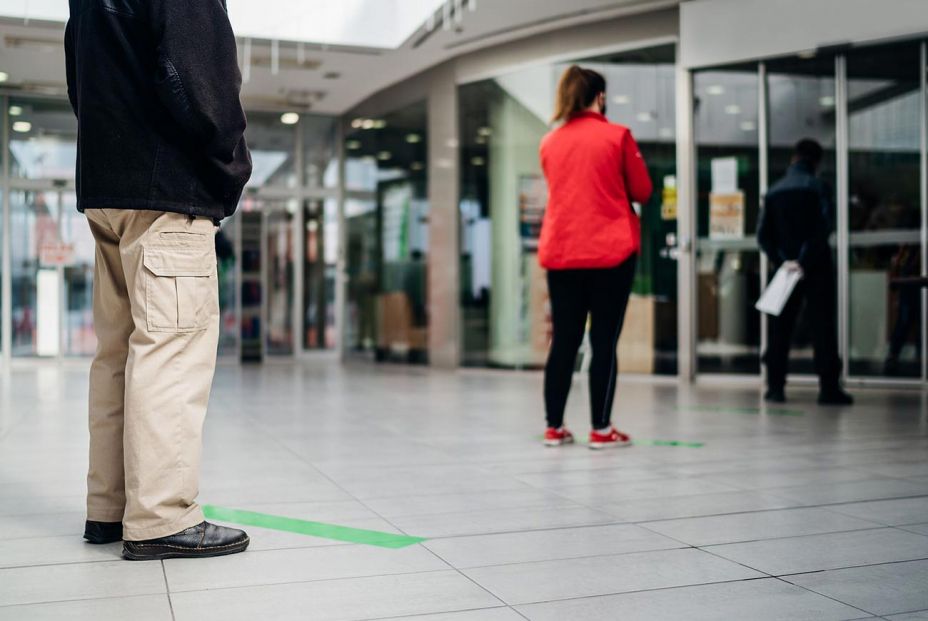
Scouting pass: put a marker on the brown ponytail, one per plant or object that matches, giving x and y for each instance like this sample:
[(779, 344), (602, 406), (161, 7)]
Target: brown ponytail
[(576, 91)]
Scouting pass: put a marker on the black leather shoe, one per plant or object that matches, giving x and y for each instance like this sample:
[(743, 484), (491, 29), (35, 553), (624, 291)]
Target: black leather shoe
[(102, 532), (775, 395), (198, 541), (835, 396)]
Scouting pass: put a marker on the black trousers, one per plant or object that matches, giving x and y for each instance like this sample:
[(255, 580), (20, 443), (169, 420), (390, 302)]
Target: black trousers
[(603, 295), (817, 291)]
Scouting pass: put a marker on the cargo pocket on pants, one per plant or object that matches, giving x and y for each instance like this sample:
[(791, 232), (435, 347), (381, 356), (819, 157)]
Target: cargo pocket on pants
[(181, 293)]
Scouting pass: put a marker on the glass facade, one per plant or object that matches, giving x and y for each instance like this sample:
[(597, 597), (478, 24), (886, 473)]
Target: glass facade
[(505, 316), (387, 235)]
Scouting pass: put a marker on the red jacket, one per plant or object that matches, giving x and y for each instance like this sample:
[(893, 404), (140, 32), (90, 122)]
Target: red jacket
[(594, 171)]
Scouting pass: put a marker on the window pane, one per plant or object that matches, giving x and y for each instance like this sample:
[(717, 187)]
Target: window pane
[(728, 262), (43, 140)]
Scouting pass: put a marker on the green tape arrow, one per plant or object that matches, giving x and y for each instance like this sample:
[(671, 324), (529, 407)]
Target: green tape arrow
[(313, 529)]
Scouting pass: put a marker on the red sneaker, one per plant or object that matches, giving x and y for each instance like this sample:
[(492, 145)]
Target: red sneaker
[(612, 439), (557, 437)]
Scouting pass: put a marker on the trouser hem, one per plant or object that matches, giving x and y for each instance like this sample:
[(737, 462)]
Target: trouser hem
[(104, 515), (192, 517)]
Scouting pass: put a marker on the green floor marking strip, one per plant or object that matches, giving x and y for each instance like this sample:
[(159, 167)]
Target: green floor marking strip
[(743, 410), (313, 529), (668, 443)]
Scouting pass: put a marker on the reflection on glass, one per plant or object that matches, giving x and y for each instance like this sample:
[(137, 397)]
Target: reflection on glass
[(727, 259), (801, 104), (319, 156), (387, 221), (503, 290), (272, 149), (34, 223), (321, 247), (884, 211), (226, 266), (79, 338), (43, 139), (279, 303)]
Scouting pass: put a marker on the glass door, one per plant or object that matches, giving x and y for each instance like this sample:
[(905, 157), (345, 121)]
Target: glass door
[(885, 117), (801, 99)]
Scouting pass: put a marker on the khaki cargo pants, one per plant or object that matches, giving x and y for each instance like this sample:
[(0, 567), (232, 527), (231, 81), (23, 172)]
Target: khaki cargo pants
[(156, 315)]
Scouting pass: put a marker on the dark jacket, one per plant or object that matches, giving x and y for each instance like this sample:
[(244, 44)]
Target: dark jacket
[(796, 221), (155, 87)]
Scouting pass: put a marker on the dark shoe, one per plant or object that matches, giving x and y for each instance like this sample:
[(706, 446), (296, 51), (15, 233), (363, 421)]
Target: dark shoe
[(835, 396), (198, 541), (775, 395), (102, 532)]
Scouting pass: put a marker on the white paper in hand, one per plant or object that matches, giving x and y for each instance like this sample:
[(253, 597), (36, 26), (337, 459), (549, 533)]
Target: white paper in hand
[(778, 291)]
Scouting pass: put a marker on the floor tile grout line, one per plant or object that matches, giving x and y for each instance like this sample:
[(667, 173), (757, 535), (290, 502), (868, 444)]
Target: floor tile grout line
[(428, 614), (79, 599), (167, 588), (819, 571), (466, 577), (825, 596)]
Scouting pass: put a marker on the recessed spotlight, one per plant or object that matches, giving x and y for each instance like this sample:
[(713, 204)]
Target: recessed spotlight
[(289, 118), (733, 109), (413, 138), (353, 145), (379, 123), (716, 89), (485, 131), (4, 76), (16, 110), (367, 124), (645, 117), (826, 101), (357, 123), (477, 161), (383, 156), (748, 126), (22, 127), (621, 100)]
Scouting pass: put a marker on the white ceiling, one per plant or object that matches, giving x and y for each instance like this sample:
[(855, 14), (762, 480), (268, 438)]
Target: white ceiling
[(328, 79)]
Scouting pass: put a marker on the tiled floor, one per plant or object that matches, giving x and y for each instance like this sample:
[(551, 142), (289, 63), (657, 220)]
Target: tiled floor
[(795, 513)]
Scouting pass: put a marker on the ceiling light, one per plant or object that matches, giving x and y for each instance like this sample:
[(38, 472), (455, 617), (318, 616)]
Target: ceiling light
[(353, 145), (357, 123), (289, 118), (4, 76), (477, 161), (733, 109), (748, 126), (22, 126), (379, 123), (807, 54), (367, 124), (16, 110), (645, 117), (621, 100), (827, 101), (413, 138), (716, 89), (484, 131), (383, 156)]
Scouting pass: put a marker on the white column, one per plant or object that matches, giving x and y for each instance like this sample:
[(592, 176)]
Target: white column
[(686, 228)]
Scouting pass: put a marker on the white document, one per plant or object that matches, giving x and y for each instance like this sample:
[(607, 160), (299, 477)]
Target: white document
[(778, 291)]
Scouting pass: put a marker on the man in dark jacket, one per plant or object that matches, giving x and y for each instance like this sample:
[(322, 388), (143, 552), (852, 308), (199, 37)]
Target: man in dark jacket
[(161, 158), (793, 233)]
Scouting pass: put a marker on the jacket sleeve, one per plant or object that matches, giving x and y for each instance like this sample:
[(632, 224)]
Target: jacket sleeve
[(637, 179), (70, 67), (197, 77)]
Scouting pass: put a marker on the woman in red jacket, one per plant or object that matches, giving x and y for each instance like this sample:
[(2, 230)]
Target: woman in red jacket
[(589, 244)]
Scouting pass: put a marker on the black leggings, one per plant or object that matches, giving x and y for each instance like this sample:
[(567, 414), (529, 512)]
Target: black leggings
[(603, 294)]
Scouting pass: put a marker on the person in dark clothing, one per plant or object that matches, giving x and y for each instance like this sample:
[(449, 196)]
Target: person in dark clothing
[(161, 159), (793, 233)]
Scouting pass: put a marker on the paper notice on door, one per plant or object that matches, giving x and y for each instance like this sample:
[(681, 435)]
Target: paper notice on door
[(778, 292)]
